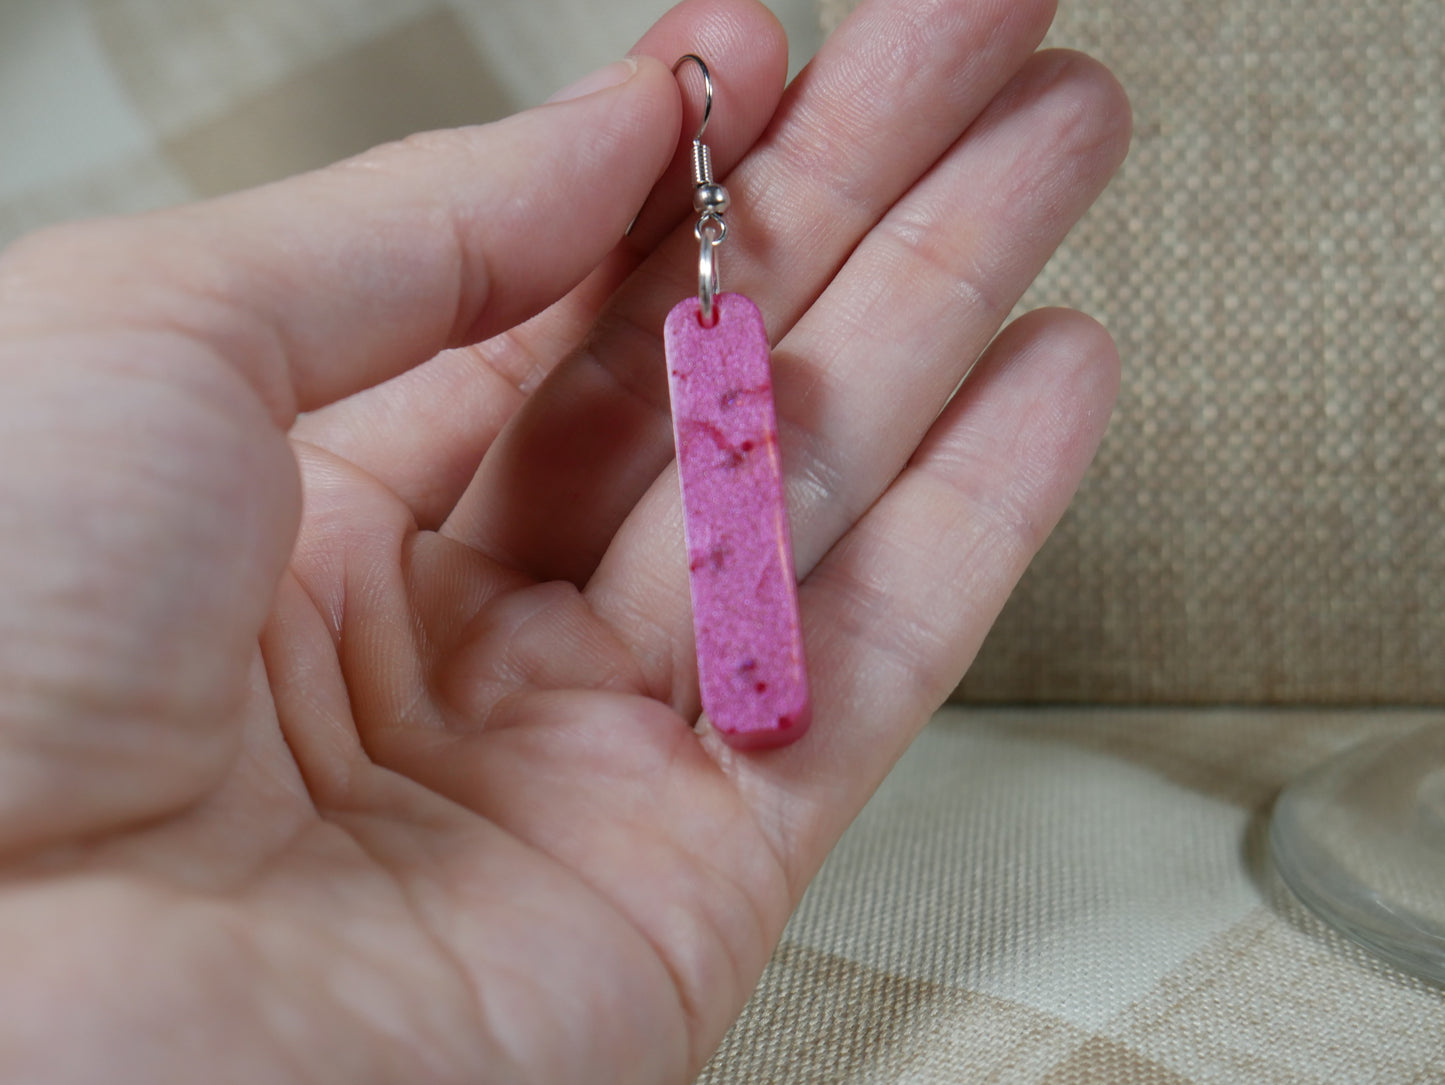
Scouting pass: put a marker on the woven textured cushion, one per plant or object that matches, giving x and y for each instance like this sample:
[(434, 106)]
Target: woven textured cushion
[(1265, 518)]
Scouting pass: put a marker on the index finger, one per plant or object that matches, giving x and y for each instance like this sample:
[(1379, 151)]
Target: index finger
[(319, 286)]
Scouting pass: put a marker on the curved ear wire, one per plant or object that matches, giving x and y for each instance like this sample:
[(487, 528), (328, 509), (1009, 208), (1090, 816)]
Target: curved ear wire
[(709, 200), (706, 89), (712, 204)]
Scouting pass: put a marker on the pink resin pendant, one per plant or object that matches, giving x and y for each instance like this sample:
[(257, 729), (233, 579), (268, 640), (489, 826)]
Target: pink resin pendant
[(740, 555)]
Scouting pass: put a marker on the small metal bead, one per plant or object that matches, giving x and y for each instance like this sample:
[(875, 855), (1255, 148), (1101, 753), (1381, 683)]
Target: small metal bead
[(710, 199)]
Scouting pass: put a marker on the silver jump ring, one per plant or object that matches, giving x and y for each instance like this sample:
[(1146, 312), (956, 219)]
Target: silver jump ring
[(707, 277), (711, 222)]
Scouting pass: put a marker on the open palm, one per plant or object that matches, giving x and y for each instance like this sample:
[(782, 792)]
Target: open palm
[(346, 680)]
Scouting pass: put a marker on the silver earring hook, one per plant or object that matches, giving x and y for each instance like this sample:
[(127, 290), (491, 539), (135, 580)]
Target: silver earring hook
[(706, 89), (709, 200)]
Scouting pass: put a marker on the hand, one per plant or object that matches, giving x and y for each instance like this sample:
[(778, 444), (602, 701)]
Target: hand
[(395, 781)]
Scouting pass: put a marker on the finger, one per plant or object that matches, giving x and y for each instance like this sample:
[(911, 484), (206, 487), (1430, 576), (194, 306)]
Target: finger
[(319, 286), (860, 378), (884, 98), (423, 434), (897, 610)]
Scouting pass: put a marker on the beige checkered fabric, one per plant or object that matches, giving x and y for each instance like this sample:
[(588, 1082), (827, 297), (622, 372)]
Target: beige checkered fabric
[(1060, 896)]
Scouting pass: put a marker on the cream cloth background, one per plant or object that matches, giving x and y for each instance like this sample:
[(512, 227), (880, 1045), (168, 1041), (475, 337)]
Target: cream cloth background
[(1062, 895), (1264, 521)]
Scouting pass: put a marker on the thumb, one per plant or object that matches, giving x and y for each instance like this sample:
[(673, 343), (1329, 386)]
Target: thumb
[(324, 284)]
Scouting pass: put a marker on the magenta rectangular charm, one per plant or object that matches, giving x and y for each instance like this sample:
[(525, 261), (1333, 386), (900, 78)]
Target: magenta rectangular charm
[(753, 679)]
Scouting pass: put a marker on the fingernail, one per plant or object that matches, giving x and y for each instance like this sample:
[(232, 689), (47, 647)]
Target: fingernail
[(613, 75)]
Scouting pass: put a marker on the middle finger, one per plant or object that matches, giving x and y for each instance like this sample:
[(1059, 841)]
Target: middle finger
[(899, 82)]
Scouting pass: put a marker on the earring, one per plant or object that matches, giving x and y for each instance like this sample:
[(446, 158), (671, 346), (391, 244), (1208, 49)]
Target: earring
[(751, 671)]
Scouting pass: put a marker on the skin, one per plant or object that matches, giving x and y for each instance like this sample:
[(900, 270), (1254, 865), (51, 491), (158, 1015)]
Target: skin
[(346, 689)]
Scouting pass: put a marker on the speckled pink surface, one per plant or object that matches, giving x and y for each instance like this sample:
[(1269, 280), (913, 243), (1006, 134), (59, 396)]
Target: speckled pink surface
[(740, 556)]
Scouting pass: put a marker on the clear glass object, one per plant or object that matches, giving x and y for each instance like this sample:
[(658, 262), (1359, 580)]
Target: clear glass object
[(1361, 841)]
